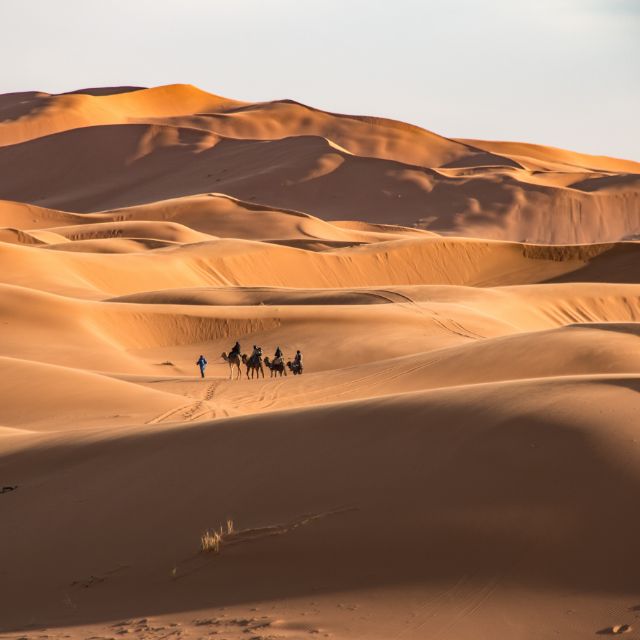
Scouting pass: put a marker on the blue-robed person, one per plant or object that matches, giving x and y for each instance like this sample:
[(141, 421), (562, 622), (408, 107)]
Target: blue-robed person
[(202, 363)]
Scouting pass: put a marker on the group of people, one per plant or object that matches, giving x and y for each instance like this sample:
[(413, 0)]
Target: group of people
[(278, 358)]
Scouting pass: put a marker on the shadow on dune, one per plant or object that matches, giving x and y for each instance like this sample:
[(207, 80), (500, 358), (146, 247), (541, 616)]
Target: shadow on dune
[(632, 328), (620, 264), (512, 484)]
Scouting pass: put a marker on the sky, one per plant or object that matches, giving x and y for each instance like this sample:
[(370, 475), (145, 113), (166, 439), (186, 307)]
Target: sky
[(558, 72)]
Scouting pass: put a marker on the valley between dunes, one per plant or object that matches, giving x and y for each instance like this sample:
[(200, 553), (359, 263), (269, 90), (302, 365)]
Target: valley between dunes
[(460, 458)]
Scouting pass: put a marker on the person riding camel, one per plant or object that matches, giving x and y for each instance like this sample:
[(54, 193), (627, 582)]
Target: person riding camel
[(277, 356), (236, 350), (257, 353), (297, 361)]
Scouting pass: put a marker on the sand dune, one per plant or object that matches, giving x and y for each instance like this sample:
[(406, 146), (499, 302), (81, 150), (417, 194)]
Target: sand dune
[(141, 163), (33, 115), (169, 231), (25, 216), (459, 458), (567, 158), (515, 528), (68, 398), (231, 262), (177, 141)]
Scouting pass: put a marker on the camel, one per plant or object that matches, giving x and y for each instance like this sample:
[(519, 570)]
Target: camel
[(295, 369), (234, 361), (253, 364), (276, 368)]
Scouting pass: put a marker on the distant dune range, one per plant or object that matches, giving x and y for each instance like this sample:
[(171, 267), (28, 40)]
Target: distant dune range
[(460, 458), (92, 152)]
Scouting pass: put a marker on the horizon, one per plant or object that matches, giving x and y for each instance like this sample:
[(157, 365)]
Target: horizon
[(571, 83)]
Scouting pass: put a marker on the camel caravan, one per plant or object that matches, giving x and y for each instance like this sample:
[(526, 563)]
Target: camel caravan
[(255, 364)]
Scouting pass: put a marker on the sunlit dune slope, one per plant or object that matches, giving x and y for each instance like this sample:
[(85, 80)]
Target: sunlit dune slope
[(213, 214), (246, 263), (554, 156)]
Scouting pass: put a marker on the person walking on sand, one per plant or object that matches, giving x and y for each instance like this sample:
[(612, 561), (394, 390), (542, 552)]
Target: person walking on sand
[(202, 363)]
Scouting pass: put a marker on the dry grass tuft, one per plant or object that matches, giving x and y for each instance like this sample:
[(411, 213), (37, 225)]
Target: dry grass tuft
[(211, 540)]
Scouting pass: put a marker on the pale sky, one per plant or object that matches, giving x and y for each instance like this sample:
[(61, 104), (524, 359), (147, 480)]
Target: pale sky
[(559, 72)]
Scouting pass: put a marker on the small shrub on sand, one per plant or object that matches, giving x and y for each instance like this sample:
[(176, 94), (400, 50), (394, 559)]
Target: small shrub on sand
[(211, 540)]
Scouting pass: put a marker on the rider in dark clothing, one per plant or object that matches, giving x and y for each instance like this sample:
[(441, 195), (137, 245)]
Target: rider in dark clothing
[(256, 354), (277, 356), (236, 349), (297, 361)]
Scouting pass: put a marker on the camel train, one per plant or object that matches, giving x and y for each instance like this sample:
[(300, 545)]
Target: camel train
[(254, 363)]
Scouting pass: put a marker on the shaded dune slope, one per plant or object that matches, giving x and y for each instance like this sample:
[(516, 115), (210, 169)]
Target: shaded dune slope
[(526, 521)]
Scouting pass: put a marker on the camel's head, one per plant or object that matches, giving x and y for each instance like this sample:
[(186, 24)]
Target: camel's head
[(244, 358), (223, 355), (266, 361), (289, 364)]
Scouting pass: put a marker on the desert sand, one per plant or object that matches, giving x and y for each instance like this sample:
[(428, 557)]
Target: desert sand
[(460, 458)]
